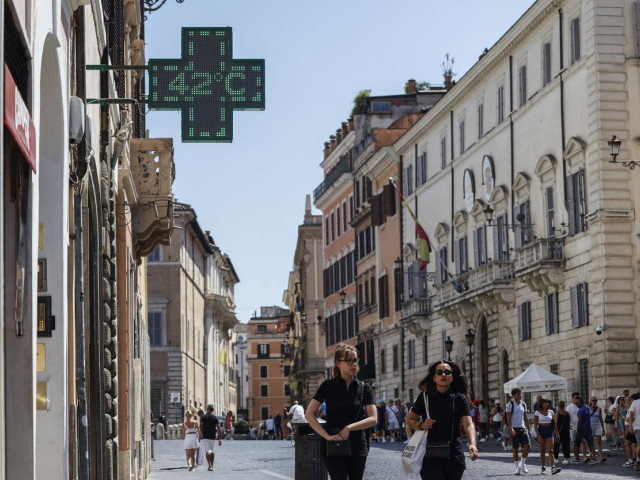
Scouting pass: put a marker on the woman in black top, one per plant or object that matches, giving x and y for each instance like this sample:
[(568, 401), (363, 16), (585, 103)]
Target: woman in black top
[(562, 423), (350, 411), (446, 388)]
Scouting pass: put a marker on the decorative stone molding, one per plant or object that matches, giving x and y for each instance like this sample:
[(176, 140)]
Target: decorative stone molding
[(540, 264), (441, 234), (546, 168), (521, 187), (574, 153), (460, 222), (153, 172)]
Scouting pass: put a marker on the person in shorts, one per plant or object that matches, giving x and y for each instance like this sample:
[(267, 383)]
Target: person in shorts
[(634, 427), (519, 429), (584, 433), (209, 429)]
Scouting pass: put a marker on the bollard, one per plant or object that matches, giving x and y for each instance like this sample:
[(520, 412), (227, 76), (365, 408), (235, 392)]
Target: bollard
[(308, 456)]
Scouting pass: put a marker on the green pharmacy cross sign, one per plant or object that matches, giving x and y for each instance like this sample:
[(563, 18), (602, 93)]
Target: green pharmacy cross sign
[(206, 84)]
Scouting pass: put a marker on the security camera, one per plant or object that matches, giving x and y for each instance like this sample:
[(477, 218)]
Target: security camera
[(599, 330)]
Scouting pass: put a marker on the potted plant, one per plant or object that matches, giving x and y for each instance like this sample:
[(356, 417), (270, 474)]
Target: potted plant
[(447, 70)]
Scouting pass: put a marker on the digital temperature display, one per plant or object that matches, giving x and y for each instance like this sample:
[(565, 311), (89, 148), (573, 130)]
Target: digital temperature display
[(207, 84)]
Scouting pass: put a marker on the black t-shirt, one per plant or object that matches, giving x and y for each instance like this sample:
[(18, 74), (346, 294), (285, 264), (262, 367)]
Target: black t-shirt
[(209, 426), (447, 409), (342, 407)]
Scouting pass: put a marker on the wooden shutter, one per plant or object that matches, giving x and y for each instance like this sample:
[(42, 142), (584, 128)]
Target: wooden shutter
[(571, 203), (376, 211), (476, 247), (551, 212), (575, 311)]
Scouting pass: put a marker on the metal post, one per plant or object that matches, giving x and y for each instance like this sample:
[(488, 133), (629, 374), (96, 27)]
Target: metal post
[(473, 395)]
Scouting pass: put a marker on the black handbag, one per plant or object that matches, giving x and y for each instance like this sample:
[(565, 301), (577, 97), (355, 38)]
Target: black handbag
[(342, 448), (440, 449)]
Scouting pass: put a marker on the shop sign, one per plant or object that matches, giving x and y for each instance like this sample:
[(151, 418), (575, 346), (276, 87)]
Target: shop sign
[(18, 120)]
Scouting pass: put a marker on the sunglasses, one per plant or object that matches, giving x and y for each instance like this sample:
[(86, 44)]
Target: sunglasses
[(444, 372), (351, 361)]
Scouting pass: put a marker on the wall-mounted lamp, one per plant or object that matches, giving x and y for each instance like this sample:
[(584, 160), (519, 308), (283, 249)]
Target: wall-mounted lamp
[(526, 228), (614, 151), (448, 345)]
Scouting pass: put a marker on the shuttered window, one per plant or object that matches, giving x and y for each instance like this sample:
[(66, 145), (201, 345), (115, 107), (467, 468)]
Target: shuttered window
[(524, 320), (575, 39), (551, 313), (579, 305), (546, 63)]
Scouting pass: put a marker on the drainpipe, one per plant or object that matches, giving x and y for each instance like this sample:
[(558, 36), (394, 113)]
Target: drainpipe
[(401, 179), (453, 234), (511, 132), (562, 125), (82, 420)]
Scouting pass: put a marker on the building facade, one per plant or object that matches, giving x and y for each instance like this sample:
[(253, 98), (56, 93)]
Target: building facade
[(533, 227), (269, 363)]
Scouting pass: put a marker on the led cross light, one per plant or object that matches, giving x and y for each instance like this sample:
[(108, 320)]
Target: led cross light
[(206, 84)]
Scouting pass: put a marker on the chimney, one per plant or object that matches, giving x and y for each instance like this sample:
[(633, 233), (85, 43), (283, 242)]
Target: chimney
[(411, 86)]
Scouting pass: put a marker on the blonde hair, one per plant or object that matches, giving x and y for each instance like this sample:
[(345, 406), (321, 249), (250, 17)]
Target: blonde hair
[(342, 351)]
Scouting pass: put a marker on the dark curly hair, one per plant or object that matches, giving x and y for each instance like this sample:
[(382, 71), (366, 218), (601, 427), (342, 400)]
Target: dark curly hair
[(459, 384)]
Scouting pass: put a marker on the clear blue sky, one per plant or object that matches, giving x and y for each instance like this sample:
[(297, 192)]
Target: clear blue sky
[(318, 55)]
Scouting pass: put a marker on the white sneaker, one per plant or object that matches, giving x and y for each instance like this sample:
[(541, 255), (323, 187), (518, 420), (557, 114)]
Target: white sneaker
[(565, 461), (524, 468), (517, 472), (393, 440)]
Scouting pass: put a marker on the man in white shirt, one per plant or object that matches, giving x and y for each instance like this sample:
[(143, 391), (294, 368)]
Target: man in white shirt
[(519, 429), (296, 413), (572, 410), (634, 427)]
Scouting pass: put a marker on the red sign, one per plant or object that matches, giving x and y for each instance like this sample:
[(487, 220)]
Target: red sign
[(18, 120)]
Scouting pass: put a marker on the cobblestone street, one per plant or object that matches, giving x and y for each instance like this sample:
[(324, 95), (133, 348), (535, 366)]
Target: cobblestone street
[(275, 459)]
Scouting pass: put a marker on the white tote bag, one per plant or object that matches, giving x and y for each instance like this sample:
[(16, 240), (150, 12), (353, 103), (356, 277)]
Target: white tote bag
[(413, 453)]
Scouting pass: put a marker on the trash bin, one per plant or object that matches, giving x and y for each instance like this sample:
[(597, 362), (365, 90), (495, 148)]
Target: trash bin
[(309, 464)]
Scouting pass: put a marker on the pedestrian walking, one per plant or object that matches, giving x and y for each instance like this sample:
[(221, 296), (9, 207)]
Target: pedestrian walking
[(228, 426), (572, 410), (269, 425), (277, 423), (597, 426), (190, 434), (563, 435), (609, 421), (483, 412), (519, 430), (584, 433), (496, 421), (392, 421), (350, 412), (448, 401), (545, 432), (634, 428), (382, 422), (209, 431)]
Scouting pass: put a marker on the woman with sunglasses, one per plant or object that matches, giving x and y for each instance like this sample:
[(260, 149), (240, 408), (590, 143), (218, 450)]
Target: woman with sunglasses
[(350, 412), (447, 392)]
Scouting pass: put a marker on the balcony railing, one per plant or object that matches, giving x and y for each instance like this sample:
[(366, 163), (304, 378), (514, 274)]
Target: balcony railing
[(344, 165), (549, 251), (492, 274), (416, 307)]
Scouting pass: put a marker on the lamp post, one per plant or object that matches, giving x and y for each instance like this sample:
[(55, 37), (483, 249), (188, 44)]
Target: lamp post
[(448, 345), (470, 337)]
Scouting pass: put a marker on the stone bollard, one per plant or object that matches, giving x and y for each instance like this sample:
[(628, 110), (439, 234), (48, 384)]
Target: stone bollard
[(159, 431)]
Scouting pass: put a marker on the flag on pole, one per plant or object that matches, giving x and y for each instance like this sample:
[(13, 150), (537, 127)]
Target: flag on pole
[(424, 245), (223, 356)]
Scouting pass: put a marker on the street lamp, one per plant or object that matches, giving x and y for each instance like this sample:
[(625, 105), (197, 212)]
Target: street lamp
[(153, 5), (470, 337), (614, 151), (448, 345)]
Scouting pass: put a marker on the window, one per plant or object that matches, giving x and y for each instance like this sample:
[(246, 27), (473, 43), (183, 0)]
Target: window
[(579, 305), (441, 270), (551, 212), (156, 255), (575, 41), (461, 255), (546, 63), (480, 120), (551, 313), (408, 180), (443, 151), (522, 85), (383, 296), (326, 231), (262, 329), (264, 390), (157, 398), (421, 169), (394, 358), (411, 352), (411, 398), (501, 239), (500, 104), (333, 226), (351, 212), (287, 390), (155, 327), (338, 220), (263, 350), (264, 413), (584, 378), (461, 136), (383, 363), (576, 202), (264, 371), (344, 216), (480, 245), (524, 320), (425, 351), (286, 370), (380, 107), (523, 232)]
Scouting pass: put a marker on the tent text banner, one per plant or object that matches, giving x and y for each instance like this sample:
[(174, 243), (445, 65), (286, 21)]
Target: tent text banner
[(206, 84)]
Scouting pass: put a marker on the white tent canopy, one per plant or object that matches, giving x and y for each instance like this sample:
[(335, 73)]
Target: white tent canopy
[(536, 379)]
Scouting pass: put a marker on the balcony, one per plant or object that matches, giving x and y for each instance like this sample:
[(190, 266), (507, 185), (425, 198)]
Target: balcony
[(152, 172), (344, 165), (415, 315), (540, 264), (478, 291)]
